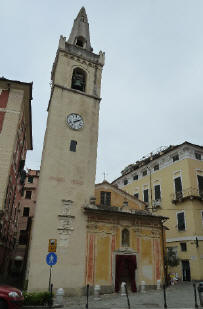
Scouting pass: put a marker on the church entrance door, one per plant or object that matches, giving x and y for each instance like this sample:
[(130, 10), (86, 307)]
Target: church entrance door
[(125, 271)]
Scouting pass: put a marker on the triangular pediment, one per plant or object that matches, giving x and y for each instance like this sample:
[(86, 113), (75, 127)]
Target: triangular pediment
[(118, 196)]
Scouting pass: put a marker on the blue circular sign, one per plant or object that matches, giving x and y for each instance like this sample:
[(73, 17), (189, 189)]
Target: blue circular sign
[(51, 258)]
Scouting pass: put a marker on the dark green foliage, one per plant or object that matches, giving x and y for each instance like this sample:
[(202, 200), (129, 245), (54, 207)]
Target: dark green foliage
[(172, 259), (37, 298)]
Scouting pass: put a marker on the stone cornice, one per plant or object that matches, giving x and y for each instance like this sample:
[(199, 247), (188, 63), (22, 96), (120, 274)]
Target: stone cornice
[(185, 238), (71, 90), (78, 92), (78, 54)]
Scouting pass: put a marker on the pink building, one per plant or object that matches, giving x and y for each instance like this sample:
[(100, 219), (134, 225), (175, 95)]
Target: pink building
[(26, 213)]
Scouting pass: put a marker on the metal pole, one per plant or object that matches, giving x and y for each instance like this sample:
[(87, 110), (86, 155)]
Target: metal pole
[(164, 266), (195, 294), (50, 278), (126, 291), (165, 304), (87, 296), (51, 291)]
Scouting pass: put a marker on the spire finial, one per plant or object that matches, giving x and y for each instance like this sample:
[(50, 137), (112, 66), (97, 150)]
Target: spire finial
[(104, 175), (80, 35)]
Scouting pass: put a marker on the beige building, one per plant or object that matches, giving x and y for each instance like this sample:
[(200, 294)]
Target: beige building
[(67, 175), (171, 182)]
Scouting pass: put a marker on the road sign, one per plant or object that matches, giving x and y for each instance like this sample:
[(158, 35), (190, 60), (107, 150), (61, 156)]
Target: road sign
[(51, 258), (52, 245)]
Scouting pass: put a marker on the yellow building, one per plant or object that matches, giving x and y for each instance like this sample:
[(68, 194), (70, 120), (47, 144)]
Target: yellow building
[(171, 182), (124, 241)]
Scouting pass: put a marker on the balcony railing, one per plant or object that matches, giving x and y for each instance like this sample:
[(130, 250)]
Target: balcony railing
[(189, 193), (156, 204)]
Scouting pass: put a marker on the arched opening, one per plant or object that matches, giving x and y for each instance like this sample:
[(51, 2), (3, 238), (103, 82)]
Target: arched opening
[(80, 41), (78, 79), (125, 238)]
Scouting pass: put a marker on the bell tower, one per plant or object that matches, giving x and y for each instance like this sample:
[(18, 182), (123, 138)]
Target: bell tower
[(68, 167)]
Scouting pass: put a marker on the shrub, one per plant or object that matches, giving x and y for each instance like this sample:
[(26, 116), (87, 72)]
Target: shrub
[(171, 258), (37, 298)]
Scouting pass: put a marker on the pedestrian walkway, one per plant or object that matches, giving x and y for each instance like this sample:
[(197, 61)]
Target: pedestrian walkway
[(177, 296)]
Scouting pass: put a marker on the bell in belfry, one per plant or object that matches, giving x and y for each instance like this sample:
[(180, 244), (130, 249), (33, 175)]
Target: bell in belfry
[(78, 80)]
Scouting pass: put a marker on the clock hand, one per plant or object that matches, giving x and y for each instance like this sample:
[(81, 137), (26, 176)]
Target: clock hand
[(76, 120)]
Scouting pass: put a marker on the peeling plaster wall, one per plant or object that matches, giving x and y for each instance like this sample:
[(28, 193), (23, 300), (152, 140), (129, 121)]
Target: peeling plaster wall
[(104, 242)]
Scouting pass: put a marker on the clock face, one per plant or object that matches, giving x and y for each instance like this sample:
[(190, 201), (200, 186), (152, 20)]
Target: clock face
[(75, 121)]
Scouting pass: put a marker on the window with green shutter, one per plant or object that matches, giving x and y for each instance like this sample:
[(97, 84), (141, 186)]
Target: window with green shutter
[(181, 221), (105, 198)]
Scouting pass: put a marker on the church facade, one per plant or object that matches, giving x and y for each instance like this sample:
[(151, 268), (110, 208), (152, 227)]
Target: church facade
[(124, 241), (100, 240)]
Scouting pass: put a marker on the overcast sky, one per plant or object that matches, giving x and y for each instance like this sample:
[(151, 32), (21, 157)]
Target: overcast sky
[(152, 85)]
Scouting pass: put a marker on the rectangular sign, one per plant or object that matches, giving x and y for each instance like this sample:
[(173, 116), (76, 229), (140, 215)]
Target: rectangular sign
[(52, 245)]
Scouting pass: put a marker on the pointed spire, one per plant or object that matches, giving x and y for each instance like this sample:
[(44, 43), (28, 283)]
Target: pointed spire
[(80, 35)]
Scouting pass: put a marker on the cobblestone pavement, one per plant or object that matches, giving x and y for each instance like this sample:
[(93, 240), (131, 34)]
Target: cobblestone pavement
[(178, 296)]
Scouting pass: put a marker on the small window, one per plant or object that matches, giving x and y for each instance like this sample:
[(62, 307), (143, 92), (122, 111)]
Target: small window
[(197, 155), (125, 238), (178, 188), (26, 212), (21, 165), (157, 192), (183, 246), (146, 196), (125, 182), (135, 177), (156, 167), (136, 195), (200, 185), (73, 145), (78, 79), (144, 173), (28, 194), (175, 158), (125, 203), (105, 198), (30, 179), (181, 221)]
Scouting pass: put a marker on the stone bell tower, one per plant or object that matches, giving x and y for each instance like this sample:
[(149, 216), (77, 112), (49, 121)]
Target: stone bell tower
[(68, 167)]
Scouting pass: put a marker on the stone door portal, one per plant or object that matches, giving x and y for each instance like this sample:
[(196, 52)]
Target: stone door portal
[(186, 270), (125, 271)]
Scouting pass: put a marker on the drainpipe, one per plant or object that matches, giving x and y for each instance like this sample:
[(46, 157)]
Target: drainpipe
[(164, 264)]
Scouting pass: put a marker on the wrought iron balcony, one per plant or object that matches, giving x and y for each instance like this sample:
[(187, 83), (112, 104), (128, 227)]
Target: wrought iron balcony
[(156, 204), (190, 193)]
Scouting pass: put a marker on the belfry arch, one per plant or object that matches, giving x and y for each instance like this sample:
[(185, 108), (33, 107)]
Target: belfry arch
[(79, 78)]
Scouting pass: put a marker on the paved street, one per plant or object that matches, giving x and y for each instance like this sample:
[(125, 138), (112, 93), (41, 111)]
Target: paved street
[(178, 296)]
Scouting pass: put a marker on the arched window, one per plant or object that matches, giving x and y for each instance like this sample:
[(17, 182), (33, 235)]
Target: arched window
[(125, 238), (78, 80)]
